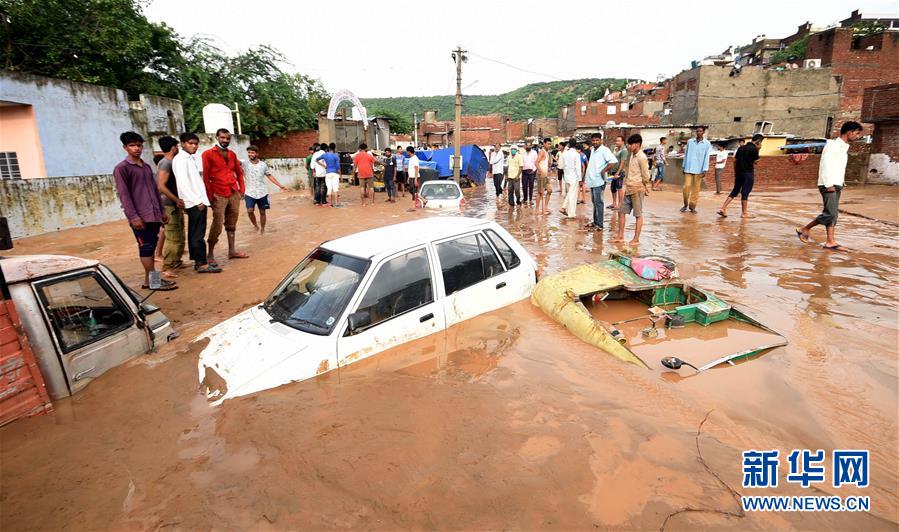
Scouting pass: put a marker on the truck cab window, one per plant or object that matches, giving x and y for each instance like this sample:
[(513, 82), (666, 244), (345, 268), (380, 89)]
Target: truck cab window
[(81, 311)]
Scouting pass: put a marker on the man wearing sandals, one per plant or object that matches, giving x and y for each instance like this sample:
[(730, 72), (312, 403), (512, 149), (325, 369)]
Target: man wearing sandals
[(140, 200), (192, 191), (225, 187), (831, 175)]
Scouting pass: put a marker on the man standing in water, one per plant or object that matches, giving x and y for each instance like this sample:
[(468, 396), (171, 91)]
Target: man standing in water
[(497, 163), (636, 186), (617, 184), (601, 159), (256, 172), (516, 162), (744, 174), (140, 200), (544, 187), (831, 176), (696, 164), (528, 173), (225, 187), (571, 164)]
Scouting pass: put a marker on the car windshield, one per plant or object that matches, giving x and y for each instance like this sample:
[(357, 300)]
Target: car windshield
[(440, 191), (313, 296)]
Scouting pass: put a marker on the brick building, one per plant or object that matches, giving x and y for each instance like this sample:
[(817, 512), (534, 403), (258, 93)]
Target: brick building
[(639, 104), (880, 106), (481, 130), (857, 62), (293, 144)]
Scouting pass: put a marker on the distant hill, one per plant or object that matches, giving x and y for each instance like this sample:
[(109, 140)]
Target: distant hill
[(537, 100)]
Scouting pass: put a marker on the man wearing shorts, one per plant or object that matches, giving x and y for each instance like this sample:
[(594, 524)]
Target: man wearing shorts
[(400, 169), (365, 169), (256, 173), (744, 174), (831, 176), (636, 187), (225, 187), (330, 161), (544, 187), (140, 200), (620, 173)]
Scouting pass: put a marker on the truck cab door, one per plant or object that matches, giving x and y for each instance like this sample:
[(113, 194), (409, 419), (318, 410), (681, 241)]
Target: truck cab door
[(92, 327), (399, 304)]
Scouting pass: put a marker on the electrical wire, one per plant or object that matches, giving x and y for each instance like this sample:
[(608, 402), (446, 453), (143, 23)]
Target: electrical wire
[(497, 61)]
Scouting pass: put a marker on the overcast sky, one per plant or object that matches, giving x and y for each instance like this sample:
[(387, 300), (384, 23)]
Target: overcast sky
[(400, 49)]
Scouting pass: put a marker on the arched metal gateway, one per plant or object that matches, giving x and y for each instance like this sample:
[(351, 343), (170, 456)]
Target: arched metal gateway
[(345, 95)]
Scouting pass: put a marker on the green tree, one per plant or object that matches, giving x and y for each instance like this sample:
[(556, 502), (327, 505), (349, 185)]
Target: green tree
[(399, 123), (796, 49), (106, 42)]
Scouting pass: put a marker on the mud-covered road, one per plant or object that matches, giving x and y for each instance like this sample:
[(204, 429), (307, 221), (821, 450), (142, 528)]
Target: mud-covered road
[(503, 422)]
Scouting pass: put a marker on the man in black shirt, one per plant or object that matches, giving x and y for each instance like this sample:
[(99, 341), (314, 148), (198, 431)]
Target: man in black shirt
[(744, 175)]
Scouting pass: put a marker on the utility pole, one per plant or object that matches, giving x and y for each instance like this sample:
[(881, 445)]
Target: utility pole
[(459, 57), (414, 131)]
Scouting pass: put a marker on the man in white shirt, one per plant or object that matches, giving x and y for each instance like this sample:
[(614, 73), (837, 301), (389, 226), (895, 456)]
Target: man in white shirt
[(571, 162), (188, 169), (319, 191), (413, 166), (720, 162), (831, 176), (528, 172), (497, 160)]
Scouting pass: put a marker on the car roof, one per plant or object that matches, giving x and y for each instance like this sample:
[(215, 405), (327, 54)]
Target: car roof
[(397, 237), (28, 267), (441, 182)]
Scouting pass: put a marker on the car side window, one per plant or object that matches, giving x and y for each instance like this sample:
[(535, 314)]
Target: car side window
[(509, 256), (466, 261), (82, 311), (402, 284)]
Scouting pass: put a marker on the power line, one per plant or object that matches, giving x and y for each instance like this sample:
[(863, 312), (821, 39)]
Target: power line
[(497, 61)]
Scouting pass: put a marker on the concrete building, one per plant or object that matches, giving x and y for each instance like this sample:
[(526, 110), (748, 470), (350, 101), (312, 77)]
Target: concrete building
[(58, 128), (880, 106), (801, 101)]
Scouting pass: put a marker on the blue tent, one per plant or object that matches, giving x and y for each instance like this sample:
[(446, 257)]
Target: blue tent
[(474, 162)]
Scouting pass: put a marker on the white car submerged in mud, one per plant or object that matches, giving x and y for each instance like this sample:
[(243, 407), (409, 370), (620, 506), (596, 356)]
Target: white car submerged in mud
[(362, 294), (443, 194)]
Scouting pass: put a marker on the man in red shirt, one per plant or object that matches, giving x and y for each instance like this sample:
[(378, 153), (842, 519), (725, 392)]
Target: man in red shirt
[(225, 188), (365, 168)]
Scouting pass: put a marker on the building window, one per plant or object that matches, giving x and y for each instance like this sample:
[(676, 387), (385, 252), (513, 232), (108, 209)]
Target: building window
[(9, 165), (738, 119), (610, 110), (623, 107)]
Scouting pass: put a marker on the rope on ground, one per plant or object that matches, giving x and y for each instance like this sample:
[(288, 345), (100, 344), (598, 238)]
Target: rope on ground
[(733, 493)]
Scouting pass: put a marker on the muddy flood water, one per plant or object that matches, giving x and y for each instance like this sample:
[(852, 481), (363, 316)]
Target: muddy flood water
[(505, 421)]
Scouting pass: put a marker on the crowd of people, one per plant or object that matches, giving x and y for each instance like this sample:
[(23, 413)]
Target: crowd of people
[(170, 210), (631, 175)]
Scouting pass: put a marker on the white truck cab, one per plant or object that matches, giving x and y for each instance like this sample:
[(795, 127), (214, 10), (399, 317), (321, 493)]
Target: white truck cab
[(79, 318), (359, 295)]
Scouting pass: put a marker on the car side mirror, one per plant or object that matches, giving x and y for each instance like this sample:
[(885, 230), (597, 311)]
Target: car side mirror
[(358, 321)]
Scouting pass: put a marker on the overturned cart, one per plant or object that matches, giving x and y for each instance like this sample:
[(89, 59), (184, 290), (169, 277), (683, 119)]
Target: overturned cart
[(638, 320)]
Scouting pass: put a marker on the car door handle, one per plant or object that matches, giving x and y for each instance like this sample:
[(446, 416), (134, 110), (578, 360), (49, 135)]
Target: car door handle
[(501, 285), (426, 317)]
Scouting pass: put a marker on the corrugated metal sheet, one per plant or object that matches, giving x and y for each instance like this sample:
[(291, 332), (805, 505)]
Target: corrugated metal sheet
[(22, 389)]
